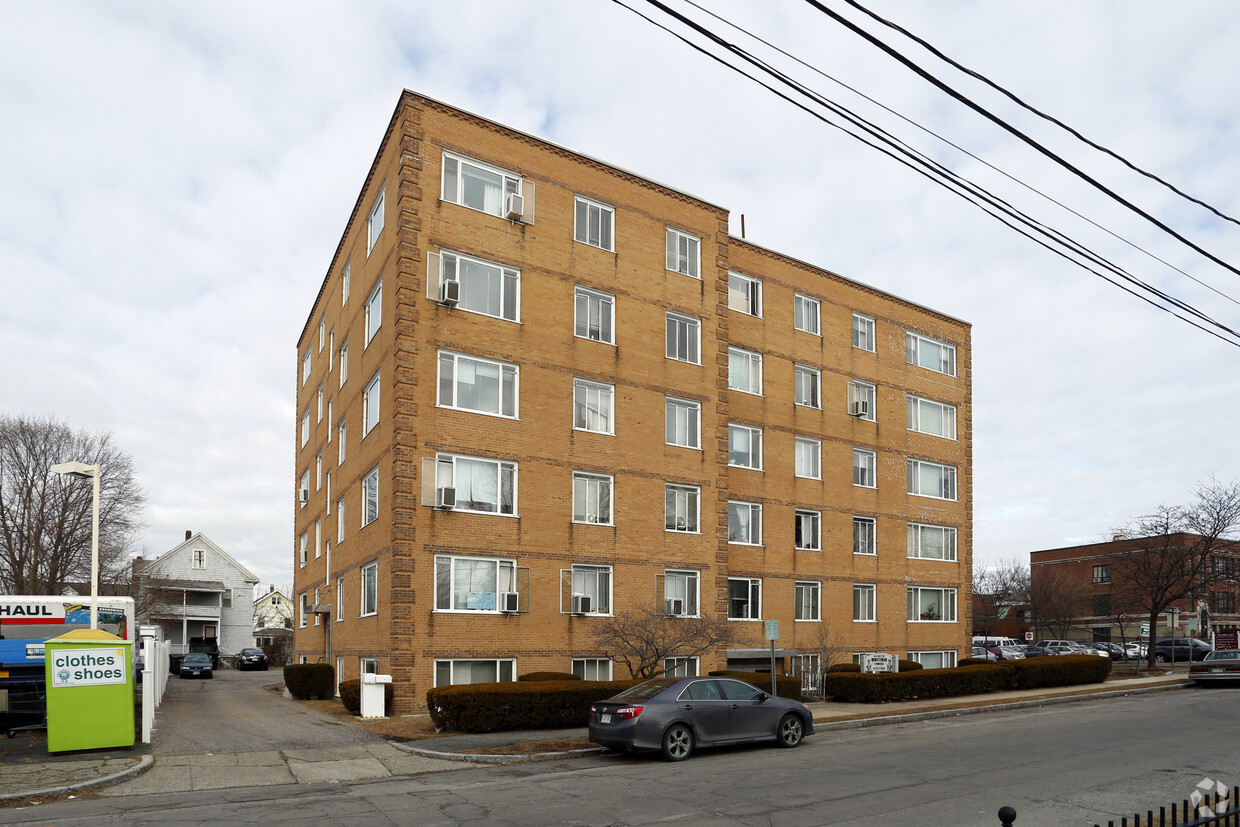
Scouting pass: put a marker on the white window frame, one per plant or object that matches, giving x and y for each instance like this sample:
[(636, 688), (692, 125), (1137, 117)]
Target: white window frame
[(305, 483), (917, 533), (595, 582), (594, 315), (808, 522), (339, 598), (806, 314), (865, 536), (865, 601), (863, 333), (370, 497), (860, 391), (345, 279), (374, 312), (683, 253), (318, 538), (341, 453), (369, 591), (509, 184), (753, 589), (678, 413), (486, 602), (597, 398), (505, 669), (930, 354), (683, 339), (367, 666), (945, 602), (318, 471), (684, 584), (509, 383), (753, 364), (681, 667), (808, 384), (303, 610), (319, 416), (865, 468), (919, 406), (744, 294), (946, 486), (588, 498), (340, 521), (329, 419), (947, 658), (344, 362), (807, 600), (592, 669), (305, 367), (686, 504), (370, 406), (322, 333), (744, 523), (749, 457), (374, 220), (594, 223), (808, 450), (448, 265), (446, 476), (305, 428)]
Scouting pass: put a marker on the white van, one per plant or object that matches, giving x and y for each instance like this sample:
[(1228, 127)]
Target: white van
[(995, 641)]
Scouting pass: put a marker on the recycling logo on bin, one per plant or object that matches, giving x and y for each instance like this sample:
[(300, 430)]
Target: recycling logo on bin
[(88, 667)]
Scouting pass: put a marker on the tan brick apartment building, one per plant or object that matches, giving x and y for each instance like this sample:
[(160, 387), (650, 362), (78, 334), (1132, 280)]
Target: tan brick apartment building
[(535, 389)]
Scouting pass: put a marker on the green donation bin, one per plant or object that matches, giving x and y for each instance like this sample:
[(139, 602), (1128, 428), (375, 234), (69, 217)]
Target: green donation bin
[(89, 691)]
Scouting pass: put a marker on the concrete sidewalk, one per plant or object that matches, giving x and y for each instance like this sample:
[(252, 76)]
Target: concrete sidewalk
[(28, 771)]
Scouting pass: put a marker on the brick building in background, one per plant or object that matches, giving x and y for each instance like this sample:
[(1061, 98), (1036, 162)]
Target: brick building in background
[(535, 389)]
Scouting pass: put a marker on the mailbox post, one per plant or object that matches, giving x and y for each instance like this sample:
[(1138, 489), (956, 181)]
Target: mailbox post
[(90, 694), (372, 695)]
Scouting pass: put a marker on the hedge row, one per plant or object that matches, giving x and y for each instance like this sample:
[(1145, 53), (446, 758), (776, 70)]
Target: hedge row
[(549, 676), (310, 681), (1034, 673), (351, 696), (487, 707), (905, 666), (786, 686)]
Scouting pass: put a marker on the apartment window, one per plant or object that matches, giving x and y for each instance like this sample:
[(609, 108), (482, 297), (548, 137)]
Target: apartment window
[(809, 530), (809, 669), (592, 669), (744, 371), (683, 252), (594, 315), (864, 535), (744, 598), (471, 383), (1224, 603), (934, 418), (929, 354), (472, 584), (374, 223), (683, 418), (340, 520), (318, 470), (805, 314), (931, 604), (370, 406), (680, 507), (368, 666), (329, 418), (808, 458), (344, 284), (745, 447), (328, 484), (340, 443), (374, 311), (487, 486), (929, 479), (591, 498), (339, 596), (681, 586), (808, 598), (477, 185), (317, 617), (863, 332), (457, 672), (861, 400), (370, 589), (595, 223), (331, 348), (1102, 573), (745, 523), (487, 288), (680, 667), (934, 660), (745, 294), (808, 382), (318, 538), (303, 551), (1102, 605), (303, 610), (305, 428), (305, 485), (932, 542), (370, 497), (305, 366), (322, 334), (319, 398), (593, 582), (864, 464), (592, 409), (684, 336), (344, 362), (863, 602)]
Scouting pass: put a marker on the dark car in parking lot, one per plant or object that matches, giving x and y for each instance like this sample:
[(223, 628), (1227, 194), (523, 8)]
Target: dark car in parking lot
[(1035, 651), (252, 658), (196, 665), (1180, 649), (678, 715)]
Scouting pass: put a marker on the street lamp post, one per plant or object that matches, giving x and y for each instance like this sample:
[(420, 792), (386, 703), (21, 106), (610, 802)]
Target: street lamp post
[(81, 469)]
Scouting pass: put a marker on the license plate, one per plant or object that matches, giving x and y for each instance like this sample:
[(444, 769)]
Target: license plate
[(1218, 669), (605, 718)]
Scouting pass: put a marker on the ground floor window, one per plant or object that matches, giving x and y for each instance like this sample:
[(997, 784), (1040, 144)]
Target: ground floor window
[(809, 669), (592, 669), (369, 666), (934, 660), (454, 672), (339, 674), (680, 667)]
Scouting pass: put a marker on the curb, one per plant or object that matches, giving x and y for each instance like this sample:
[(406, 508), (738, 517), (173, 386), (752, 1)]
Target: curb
[(145, 762), (489, 758)]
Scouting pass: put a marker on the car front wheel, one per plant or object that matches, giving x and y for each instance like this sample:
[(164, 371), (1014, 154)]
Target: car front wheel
[(790, 732), (677, 742), (1160, 658)]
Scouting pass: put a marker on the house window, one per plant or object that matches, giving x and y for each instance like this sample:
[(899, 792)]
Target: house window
[(317, 617), (807, 387), (809, 669), (319, 405), (861, 400), (931, 604), (303, 610), (487, 486), (591, 498), (929, 354), (680, 667), (594, 315), (1102, 573), (864, 463), (592, 669), (303, 551), (744, 598), (808, 530), (683, 252), (329, 419), (305, 485), (863, 602), (684, 335), (487, 288), (934, 418), (457, 672), (808, 598), (340, 443), (470, 383), (594, 224), (374, 223), (745, 447), (322, 334), (683, 586), (805, 314), (305, 428), (340, 521), (683, 417), (745, 294), (477, 185), (370, 589), (864, 531), (374, 311), (370, 406), (745, 523), (472, 584), (305, 366), (934, 660), (318, 538), (344, 362), (744, 371), (344, 284), (339, 596), (593, 582), (863, 332), (339, 673), (592, 409), (370, 497), (932, 542), (929, 479), (808, 458), (368, 666), (680, 507)]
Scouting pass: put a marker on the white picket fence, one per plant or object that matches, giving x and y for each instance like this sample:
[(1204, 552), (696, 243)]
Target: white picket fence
[(155, 659)]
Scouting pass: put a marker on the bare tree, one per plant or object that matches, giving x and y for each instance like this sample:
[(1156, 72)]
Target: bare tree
[(645, 637), (998, 586), (1056, 599), (45, 518)]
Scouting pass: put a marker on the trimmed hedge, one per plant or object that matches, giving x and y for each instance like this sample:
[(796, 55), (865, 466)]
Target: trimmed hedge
[(549, 676), (351, 696), (974, 661), (310, 681), (488, 707), (1034, 673), (905, 666), (786, 686)]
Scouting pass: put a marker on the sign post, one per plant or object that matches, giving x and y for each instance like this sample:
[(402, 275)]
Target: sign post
[(772, 634)]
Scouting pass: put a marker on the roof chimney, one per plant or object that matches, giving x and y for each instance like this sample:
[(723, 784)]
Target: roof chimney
[(1119, 538), (188, 534), (270, 589)]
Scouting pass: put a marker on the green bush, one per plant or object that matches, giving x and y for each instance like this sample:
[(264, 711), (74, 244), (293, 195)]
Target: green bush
[(351, 696), (549, 676), (973, 661), (488, 707), (310, 681), (1033, 673), (844, 667), (910, 666), (786, 686)]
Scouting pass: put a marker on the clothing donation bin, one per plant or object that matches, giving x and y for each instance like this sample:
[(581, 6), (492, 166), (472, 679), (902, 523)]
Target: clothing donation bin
[(90, 693), (372, 695)]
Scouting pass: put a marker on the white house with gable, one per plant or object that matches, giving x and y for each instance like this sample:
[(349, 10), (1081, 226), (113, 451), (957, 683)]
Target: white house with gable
[(197, 590)]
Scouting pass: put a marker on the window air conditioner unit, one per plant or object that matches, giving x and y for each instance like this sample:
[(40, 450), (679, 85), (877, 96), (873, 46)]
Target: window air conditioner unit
[(509, 601), (303, 495), (674, 606), (450, 292), (514, 207), (593, 518), (445, 497), (581, 604), (859, 408)]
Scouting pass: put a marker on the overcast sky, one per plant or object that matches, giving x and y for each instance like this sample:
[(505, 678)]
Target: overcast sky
[(174, 178)]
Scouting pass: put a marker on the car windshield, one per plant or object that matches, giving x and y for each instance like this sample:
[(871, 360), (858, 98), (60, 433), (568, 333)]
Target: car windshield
[(196, 658), (1226, 654), (251, 651), (648, 689)]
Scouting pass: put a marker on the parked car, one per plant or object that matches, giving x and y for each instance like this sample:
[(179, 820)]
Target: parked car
[(196, 665), (1180, 649), (1006, 652), (1136, 649), (1070, 647), (252, 658), (1221, 666), (984, 653), (1035, 651), (677, 715)]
